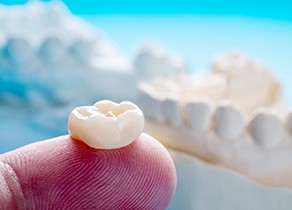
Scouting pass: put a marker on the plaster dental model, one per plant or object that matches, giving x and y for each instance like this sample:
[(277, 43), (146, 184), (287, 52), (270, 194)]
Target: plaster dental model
[(54, 61), (151, 59), (232, 118), (44, 49), (112, 165)]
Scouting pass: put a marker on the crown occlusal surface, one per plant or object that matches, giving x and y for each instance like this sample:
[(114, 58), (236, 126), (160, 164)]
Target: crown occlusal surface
[(106, 125)]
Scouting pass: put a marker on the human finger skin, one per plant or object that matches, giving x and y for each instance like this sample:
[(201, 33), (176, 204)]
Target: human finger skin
[(64, 173)]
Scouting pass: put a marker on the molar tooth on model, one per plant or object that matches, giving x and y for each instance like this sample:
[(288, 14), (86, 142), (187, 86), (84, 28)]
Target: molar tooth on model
[(229, 122), (199, 114), (106, 125), (266, 128)]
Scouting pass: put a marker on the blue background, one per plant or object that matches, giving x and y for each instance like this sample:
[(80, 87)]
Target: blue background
[(280, 9)]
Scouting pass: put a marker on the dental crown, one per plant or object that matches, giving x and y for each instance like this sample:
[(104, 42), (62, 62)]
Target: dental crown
[(106, 125)]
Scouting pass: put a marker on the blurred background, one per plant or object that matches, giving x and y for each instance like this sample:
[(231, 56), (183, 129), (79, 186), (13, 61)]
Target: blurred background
[(195, 29)]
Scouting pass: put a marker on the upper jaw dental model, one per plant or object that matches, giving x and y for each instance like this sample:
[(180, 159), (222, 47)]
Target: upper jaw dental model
[(45, 49), (232, 118), (42, 43)]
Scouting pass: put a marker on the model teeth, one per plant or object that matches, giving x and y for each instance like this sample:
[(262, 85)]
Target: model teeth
[(82, 50), (199, 115), (106, 125), (266, 128), (52, 50), (229, 122), (19, 50), (157, 113), (172, 112)]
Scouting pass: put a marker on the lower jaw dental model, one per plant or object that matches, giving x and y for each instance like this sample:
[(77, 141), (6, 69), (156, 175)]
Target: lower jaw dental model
[(228, 133)]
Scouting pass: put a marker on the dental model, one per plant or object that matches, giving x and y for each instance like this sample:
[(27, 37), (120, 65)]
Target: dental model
[(53, 60), (232, 118), (106, 125), (44, 50)]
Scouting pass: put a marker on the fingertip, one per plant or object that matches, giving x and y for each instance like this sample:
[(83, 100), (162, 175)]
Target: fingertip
[(66, 173), (11, 196)]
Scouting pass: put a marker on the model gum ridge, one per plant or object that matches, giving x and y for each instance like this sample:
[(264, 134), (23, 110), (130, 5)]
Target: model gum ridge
[(232, 116), (106, 125)]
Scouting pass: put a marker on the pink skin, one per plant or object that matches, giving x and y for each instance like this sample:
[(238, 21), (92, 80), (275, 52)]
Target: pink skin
[(64, 173)]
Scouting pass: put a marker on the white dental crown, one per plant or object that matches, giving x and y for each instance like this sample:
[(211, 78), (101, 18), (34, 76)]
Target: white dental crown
[(106, 125)]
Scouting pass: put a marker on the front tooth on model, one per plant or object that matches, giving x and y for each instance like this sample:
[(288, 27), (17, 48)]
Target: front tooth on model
[(229, 122), (171, 110), (266, 128), (106, 125), (199, 115)]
